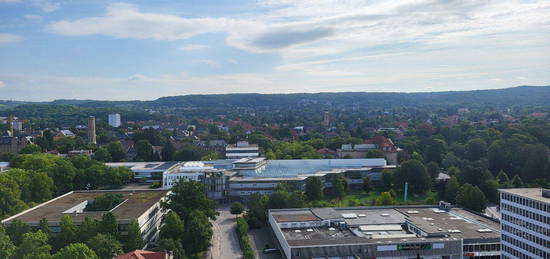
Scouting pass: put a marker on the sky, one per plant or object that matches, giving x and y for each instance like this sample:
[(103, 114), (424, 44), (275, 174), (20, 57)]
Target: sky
[(107, 50)]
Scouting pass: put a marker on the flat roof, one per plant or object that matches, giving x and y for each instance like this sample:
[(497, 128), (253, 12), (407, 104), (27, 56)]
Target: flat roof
[(135, 203), (145, 166), (363, 224), (531, 193)]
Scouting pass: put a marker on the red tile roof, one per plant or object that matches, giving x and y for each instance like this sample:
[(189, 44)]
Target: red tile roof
[(142, 254)]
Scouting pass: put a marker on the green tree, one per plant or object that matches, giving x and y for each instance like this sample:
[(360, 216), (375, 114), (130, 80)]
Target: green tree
[(375, 153), (105, 246), (387, 178), (451, 189), (296, 200), (7, 248), (144, 150), (108, 225), (171, 245), (102, 155), (340, 186), (471, 197), (116, 150), (105, 202), (44, 226), (168, 151), (414, 173), (187, 196), (68, 233), (34, 245), (10, 196), (367, 185), (385, 199), (475, 149), (236, 208), (503, 179), (435, 148), (314, 188), (172, 227), (198, 232), (75, 251), (31, 149), (87, 229), (16, 230), (256, 214), (517, 182), (433, 169), (133, 240), (63, 174), (277, 200)]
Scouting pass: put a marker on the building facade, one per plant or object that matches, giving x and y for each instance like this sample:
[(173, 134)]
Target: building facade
[(114, 120), (525, 223), (241, 150)]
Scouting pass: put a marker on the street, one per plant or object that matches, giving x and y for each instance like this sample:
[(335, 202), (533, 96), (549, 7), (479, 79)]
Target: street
[(225, 244)]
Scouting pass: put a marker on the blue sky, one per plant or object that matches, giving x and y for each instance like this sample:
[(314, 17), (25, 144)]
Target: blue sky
[(147, 49)]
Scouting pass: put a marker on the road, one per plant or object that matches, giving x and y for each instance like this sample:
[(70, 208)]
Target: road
[(225, 244)]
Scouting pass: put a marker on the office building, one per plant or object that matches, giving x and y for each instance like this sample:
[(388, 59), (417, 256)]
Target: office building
[(146, 172), (140, 205), (114, 120), (384, 232), (525, 223), (241, 150), (91, 130)]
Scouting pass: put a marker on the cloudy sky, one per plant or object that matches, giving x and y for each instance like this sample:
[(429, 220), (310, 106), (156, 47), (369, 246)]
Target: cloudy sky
[(147, 49)]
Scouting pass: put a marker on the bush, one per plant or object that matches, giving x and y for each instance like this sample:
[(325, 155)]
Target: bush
[(242, 233), (155, 185)]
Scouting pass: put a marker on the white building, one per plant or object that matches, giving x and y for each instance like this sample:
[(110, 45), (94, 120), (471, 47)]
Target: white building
[(114, 120), (241, 150), (525, 223)]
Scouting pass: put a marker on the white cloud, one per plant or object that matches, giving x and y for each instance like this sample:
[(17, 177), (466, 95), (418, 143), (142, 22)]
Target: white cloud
[(45, 5), (136, 77), (33, 17), (191, 47), (207, 62), (2, 84), (9, 38)]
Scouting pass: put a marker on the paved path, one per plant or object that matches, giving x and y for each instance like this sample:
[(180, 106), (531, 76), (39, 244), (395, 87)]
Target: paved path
[(259, 238), (225, 244)]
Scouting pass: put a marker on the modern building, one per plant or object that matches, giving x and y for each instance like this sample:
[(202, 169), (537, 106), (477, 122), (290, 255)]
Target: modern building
[(385, 232), (114, 120), (241, 150), (91, 130), (146, 172), (140, 205), (215, 180), (525, 223)]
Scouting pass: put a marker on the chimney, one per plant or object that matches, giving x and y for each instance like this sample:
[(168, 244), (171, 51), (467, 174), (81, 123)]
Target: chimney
[(91, 130)]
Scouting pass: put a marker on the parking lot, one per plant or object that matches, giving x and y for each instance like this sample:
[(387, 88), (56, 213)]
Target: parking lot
[(261, 237)]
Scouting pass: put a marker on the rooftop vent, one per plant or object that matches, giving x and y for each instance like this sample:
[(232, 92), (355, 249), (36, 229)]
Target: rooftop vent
[(454, 231), (385, 215), (309, 230), (349, 215), (546, 193), (428, 219), (412, 211), (297, 231)]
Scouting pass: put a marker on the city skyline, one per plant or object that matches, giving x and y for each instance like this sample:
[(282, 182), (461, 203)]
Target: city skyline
[(135, 50)]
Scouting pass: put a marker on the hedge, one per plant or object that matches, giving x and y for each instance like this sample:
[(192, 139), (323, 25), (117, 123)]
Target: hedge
[(244, 240)]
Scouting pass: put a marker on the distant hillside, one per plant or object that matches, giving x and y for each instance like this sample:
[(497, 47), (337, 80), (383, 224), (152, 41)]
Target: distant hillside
[(521, 95)]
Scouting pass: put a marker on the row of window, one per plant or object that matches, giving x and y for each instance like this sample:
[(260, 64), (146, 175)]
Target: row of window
[(524, 246), (535, 239), (539, 205), (481, 247), (524, 224), (529, 214)]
